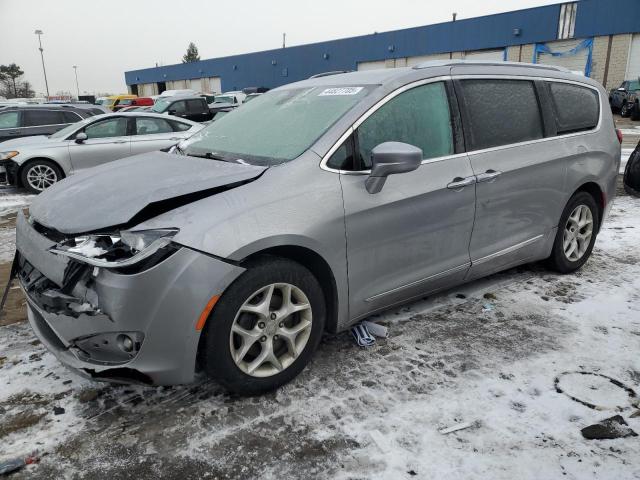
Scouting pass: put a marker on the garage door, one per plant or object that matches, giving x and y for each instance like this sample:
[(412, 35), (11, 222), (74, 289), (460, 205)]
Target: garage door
[(147, 90), (412, 61), (489, 55), (633, 68), (371, 65), (212, 85), (575, 63)]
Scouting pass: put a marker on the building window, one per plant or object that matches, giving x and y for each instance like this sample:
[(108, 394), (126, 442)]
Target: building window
[(567, 23)]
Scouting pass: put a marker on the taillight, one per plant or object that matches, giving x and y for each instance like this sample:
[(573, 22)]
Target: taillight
[(619, 134)]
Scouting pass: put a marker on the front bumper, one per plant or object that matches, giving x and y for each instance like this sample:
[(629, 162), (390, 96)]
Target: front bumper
[(8, 172), (81, 313)]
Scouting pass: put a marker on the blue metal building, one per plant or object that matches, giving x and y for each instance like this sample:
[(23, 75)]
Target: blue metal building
[(589, 33)]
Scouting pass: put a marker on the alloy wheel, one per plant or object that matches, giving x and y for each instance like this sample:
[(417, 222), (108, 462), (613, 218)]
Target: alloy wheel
[(270, 330), (40, 177), (577, 233)]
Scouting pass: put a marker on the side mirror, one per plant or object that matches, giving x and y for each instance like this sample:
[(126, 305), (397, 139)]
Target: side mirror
[(172, 112), (390, 158), (81, 137)]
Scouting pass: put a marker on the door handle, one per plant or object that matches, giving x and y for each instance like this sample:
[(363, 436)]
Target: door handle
[(460, 182), (488, 176), (120, 141)]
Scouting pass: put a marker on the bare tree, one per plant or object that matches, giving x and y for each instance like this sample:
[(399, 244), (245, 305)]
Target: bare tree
[(9, 75)]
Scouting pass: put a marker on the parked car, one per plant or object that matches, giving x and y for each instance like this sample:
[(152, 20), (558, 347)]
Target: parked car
[(28, 120), (37, 163), (135, 109), (631, 177), (232, 251), (251, 96), (135, 102), (114, 100), (230, 98), (185, 92), (192, 108), (625, 99)]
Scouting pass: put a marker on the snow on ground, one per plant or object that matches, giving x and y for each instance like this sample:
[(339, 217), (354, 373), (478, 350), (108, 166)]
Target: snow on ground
[(10, 203), (487, 353)]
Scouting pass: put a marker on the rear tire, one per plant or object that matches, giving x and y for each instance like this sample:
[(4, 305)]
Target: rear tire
[(251, 343), (635, 113), (37, 175), (576, 235)]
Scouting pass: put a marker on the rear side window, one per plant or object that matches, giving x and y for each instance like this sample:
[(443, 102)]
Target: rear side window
[(501, 112), (195, 106), (9, 119), (576, 108), (111, 127), (149, 126), (419, 117), (70, 117), (34, 118), (180, 127)]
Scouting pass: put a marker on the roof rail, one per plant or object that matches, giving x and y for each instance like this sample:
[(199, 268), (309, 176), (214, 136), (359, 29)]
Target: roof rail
[(326, 74), (453, 63)]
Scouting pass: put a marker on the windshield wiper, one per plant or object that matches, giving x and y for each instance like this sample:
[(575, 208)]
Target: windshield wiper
[(210, 156)]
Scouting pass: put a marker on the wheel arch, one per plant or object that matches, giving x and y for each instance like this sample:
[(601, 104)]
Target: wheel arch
[(24, 165), (317, 265), (593, 189)]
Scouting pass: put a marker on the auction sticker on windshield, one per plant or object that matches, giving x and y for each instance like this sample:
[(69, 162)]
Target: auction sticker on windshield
[(340, 91)]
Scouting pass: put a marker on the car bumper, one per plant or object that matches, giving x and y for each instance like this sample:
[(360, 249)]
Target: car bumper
[(83, 323), (8, 172)]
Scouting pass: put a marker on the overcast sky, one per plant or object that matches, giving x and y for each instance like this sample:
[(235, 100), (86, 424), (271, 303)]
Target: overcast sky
[(107, 38)]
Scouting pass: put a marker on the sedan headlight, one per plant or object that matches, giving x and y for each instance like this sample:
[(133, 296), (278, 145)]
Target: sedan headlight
[(115, 250), (8, 155)]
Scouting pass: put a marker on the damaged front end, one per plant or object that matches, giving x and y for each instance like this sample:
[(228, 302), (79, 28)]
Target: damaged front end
[(120, 306)]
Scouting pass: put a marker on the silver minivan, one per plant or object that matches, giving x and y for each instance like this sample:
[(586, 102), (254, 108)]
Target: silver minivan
[(310, 208)]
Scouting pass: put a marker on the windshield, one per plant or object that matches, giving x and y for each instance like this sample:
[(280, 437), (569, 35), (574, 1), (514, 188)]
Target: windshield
[(634, 85), (108, 101), (277, 127), (161, 105), (68, 130)]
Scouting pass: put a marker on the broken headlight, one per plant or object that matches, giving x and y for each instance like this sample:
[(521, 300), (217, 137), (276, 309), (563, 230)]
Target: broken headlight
[(115, 250)]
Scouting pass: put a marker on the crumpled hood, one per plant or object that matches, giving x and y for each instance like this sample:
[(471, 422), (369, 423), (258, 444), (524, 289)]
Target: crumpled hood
[(112, 194)]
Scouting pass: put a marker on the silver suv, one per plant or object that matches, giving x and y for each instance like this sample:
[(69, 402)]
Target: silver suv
[(309, 209)]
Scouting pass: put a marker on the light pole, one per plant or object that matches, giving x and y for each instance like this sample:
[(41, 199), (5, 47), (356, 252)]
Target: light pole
[(75, 69), (39, 32)]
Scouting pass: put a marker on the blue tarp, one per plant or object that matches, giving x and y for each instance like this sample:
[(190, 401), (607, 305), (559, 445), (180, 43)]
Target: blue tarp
[(585, 44)]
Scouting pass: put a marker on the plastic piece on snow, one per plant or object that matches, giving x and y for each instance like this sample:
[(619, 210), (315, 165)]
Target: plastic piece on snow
[(16, 464), (487, 307), (362, 336), (455, 428), (376, 330)]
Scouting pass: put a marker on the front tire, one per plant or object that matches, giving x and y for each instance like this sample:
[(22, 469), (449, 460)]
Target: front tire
[(625, 111), (37, 175), (265, 328), (576, 234)]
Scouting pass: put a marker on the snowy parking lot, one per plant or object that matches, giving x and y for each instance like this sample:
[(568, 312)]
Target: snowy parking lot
[(520, 362)]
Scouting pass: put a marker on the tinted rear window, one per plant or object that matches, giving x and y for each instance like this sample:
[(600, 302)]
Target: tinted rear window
[(576, 108), (501, 112), (33, 118)]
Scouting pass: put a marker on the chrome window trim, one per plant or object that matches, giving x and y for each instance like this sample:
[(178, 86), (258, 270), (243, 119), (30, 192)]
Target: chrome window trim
[(404, 88), (40, 126)]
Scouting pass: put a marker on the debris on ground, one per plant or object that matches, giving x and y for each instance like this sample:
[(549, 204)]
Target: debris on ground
[(635, 414), (16, 464), (87, 396), (608, 429), (487, 307), (455, 428), (362, 336), (376, 330), (58, 410)]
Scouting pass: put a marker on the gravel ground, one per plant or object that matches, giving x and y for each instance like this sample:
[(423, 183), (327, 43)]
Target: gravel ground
[(492, 355)]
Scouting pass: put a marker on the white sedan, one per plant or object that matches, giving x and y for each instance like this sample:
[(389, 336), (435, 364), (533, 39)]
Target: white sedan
[(38, 162)]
